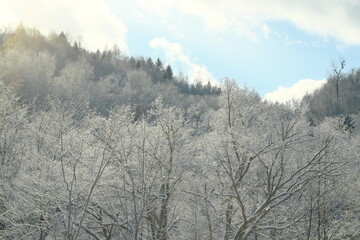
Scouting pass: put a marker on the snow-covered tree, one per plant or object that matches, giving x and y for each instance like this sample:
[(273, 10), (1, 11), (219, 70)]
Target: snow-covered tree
[(261, 159), (12, 150)]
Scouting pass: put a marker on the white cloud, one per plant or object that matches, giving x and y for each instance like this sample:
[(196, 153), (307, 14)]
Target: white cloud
[(176, 31), (92, 20), (213, 17), (175, 53), (338, 19), (266, 31), (295, 92)]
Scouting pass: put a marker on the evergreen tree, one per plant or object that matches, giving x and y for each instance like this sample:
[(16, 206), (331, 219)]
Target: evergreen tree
[(346, 123), (168, 75), (159, 65), (133, 62), (208, 88), (150, 63), (138, 64), (63, 36)]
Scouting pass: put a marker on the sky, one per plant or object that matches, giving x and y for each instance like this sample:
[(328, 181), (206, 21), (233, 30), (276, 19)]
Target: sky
[(281, 49)]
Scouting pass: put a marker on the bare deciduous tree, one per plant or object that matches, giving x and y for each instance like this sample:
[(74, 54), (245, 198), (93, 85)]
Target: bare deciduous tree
[(263, 161)]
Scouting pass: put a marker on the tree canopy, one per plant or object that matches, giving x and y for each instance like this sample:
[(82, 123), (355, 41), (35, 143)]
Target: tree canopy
[(97, 145)]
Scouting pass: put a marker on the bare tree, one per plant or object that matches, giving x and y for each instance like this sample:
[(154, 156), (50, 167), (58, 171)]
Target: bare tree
[(12, 151), (264, 160), (169, 129), (337, 70)]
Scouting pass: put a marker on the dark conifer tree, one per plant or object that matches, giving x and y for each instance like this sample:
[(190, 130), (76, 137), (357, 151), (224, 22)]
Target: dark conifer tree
[(347, 123), (168, 75), (138, 64), (150, 63), (159, 65)]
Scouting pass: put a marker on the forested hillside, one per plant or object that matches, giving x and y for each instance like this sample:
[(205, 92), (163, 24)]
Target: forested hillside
[(98, 145), (42, 64), (338, 97)]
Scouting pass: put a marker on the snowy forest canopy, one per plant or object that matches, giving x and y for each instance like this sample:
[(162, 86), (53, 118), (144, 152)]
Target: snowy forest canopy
[(97, 145)]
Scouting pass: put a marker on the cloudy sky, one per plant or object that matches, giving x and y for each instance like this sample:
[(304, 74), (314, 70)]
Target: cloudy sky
[(280, 48)]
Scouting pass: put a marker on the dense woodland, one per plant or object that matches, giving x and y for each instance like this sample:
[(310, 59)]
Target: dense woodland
[(98, 145)]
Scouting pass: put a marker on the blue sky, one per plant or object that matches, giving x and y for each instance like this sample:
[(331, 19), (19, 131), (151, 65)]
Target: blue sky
[(282, 49)]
